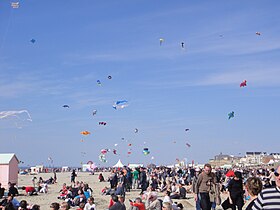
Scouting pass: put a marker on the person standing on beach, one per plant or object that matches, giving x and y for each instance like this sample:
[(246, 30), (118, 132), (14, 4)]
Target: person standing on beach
[(269, 198), (73, 176), (143, 180), (202, 187)]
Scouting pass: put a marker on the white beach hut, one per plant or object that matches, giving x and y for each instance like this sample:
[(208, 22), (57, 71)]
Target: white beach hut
[(118, 164)]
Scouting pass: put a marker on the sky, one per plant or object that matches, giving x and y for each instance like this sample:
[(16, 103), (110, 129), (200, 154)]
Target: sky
[(168, 88)]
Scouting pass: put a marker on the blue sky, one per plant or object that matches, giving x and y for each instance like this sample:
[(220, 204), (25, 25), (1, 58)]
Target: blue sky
[(168, 88)]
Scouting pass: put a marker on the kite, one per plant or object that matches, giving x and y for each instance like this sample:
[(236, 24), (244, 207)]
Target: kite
[(102, 158), (120, 104), (122, 139), (102, 123), (243, 83), (129, 145), (161, 41), (6, 114), (15, 5), (187, 129), (109, 77), (104, 151), (114, 151), (115, 145), (89, 162), (152, 157), (98, 82), (85, 133), (188, 145), (231, 115), (32, 41), (135, 130), (183, 45), (66, 106), (129, 153), (258, 33), (94, 112), (146, 151), (83, 153), (81, 140)]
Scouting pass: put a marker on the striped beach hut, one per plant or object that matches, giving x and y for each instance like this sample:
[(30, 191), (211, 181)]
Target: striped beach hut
[(8, 169)]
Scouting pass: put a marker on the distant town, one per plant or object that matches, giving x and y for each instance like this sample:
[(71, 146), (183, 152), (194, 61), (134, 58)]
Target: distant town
[(250, 159)]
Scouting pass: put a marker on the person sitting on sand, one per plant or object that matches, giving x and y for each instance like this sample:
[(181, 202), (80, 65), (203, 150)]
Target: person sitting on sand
[(2, 191), (101, 178), (12, 189), (80, 198), (90, 205), (29, 190)]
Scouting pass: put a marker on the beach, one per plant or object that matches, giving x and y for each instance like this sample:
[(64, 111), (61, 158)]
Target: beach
[(102, 201)]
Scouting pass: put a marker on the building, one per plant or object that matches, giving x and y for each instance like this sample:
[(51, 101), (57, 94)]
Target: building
[(223, 160), (8, 169), (255, 158)]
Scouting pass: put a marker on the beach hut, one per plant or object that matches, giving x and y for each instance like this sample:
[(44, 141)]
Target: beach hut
[(118, 164), (8, 169)]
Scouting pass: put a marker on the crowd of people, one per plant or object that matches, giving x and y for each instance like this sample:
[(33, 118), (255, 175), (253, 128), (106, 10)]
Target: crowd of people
[(162, 188)]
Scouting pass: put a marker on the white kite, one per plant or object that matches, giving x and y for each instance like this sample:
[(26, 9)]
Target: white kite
[(7, 114)]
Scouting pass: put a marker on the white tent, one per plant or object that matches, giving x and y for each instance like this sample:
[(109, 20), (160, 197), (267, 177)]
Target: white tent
[(118, 164)]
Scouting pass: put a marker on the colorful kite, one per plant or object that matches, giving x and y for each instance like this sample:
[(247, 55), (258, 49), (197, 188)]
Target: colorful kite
[(109, 77), (85, 133), (243, 83), (102, 123), (135, 130), (15, 5), (98, 82), (32, 41), (146, 151), (231, 115), (102, 158), (258, 33), (120, 104)]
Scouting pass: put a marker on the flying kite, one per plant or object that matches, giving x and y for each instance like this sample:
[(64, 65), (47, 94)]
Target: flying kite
[(146, 151), (183, 45), (32, 41), (114, 151), (188, 145), (98, 82), (243, 83), (129, 153), (109, 77), (129, 145), (102, 158), (85, 133), (115, 145), (258, 33), (231, 115), (161, 40), (81, 140), (66, 106), (102, 123), (15, 5), (120, 104), (6, 114), (94, 112), (135, 130), (104, 151), (187, 129)]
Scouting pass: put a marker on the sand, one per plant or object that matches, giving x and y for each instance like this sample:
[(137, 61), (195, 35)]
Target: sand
[(44, 200)]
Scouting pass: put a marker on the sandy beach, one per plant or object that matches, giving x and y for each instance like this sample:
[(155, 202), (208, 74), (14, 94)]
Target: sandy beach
[(44, 200)]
